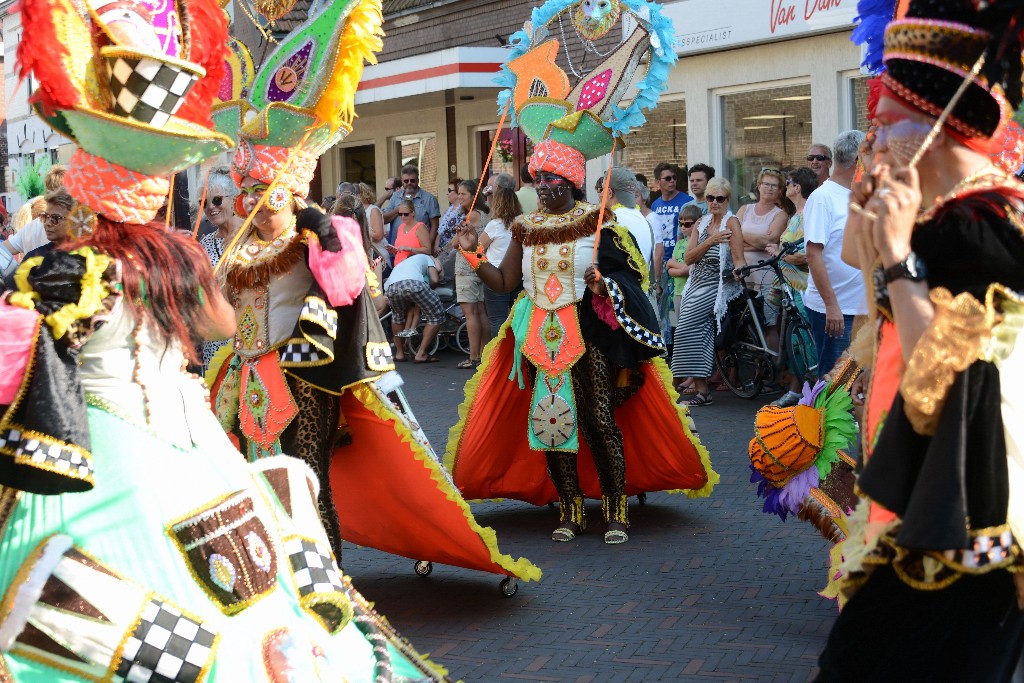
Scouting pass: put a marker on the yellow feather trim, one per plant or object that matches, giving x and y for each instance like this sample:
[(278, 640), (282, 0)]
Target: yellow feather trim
[(360, 40), (218, 360), (665, 375), (522, 568), (634, 258)]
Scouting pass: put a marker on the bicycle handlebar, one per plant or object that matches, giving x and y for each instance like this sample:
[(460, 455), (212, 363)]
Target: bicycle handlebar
[(789, 248)]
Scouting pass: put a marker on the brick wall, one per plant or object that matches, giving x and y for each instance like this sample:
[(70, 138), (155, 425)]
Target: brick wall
[(662, 139)]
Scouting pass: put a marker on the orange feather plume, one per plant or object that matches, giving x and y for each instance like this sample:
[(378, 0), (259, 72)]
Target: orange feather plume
[(51, 30)]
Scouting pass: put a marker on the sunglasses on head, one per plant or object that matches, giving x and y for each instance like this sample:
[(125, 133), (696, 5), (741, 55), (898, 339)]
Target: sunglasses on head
[(818, 157), (722, 199)]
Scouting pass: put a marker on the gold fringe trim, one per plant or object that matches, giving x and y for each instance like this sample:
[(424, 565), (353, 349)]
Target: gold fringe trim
[(530, 235), (522, 568), (247, 276), (952, 342)]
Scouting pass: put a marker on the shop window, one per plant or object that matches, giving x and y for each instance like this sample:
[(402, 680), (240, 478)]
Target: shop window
[(358, 164), (768, 128), (663, 138), (421, 152)]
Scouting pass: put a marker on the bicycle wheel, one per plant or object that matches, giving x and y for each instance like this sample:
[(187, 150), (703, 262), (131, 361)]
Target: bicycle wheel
[(414, 342), (801, 355), (462, 338), (742, 372), (745, 369)]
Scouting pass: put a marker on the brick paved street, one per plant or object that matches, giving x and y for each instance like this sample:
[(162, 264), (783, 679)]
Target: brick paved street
[(705, 590)]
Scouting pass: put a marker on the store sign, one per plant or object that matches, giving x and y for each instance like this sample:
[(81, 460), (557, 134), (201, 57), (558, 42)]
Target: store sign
[(712, 25)]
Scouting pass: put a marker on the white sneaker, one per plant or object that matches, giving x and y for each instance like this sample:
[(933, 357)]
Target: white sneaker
[(790, 398)]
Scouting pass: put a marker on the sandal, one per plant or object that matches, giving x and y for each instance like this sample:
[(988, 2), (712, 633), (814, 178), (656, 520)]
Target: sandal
[(468, 364), (700, 400), (428, 359), (615, 536), (563, 534)]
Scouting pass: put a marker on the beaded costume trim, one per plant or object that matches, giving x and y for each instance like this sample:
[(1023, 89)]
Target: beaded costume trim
[(540, 228), (247, 269)]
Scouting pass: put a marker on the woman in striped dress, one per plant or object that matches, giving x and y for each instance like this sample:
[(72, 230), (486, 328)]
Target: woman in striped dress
[(716, 247)]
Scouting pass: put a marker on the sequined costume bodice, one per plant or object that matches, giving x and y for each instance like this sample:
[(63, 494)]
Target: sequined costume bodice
[(267, 304)]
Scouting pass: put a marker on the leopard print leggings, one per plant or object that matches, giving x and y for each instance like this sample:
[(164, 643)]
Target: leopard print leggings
[(593, 380), (310, 437)]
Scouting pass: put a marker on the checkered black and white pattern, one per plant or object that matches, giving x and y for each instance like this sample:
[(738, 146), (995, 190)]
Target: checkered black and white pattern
[(300, 353), (48, 455), (378, 356), (147, 90), (167, 647), (314, 568), (632, 327), (316, 310)]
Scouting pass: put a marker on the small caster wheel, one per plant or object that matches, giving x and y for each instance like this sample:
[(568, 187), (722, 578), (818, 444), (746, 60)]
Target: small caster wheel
[(423, 568), (509, 586), (642, 498)]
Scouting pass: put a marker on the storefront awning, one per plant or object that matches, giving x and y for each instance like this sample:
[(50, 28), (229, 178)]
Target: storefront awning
[(458, 67)]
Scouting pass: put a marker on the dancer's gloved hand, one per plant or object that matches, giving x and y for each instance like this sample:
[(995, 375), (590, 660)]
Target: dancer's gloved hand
[(318, 222)]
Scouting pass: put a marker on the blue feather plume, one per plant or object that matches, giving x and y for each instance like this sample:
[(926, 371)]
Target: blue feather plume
[(873, 16)]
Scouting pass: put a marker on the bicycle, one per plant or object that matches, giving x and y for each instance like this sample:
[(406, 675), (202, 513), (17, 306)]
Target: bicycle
[(453, 333), (746, 362)]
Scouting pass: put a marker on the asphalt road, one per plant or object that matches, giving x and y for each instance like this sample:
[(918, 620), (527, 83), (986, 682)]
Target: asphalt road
[(709, 589)]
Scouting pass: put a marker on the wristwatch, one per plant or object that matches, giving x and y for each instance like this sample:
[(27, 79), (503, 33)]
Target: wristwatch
[(910, 268)]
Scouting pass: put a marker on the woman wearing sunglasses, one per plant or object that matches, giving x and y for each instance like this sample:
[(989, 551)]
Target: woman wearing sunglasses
[(220, 212), (714, 250), (412, 237), (763, 223)]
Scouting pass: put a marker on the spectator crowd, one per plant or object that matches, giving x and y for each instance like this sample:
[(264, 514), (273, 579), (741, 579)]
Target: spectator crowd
[(690, 226)]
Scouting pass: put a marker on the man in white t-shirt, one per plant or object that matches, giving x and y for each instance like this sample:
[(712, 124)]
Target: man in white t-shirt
[(835, 291), (411, 284)]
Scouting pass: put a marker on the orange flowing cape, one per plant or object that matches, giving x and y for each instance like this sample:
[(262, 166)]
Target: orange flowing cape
[(489, 454), (392, 494)]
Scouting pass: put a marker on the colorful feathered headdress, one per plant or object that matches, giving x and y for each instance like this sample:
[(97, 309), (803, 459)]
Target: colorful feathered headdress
[(579, 114), (301, 101), (795, 448), (132, 86)]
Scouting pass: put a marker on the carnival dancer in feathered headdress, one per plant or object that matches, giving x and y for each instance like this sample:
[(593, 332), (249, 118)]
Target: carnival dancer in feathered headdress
[(135, 543), (933, 554), (309, 367), (582, 343)]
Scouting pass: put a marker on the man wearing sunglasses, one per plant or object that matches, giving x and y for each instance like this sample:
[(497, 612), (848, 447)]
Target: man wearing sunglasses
[(667, 176), (819, 158), (428, 211)]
